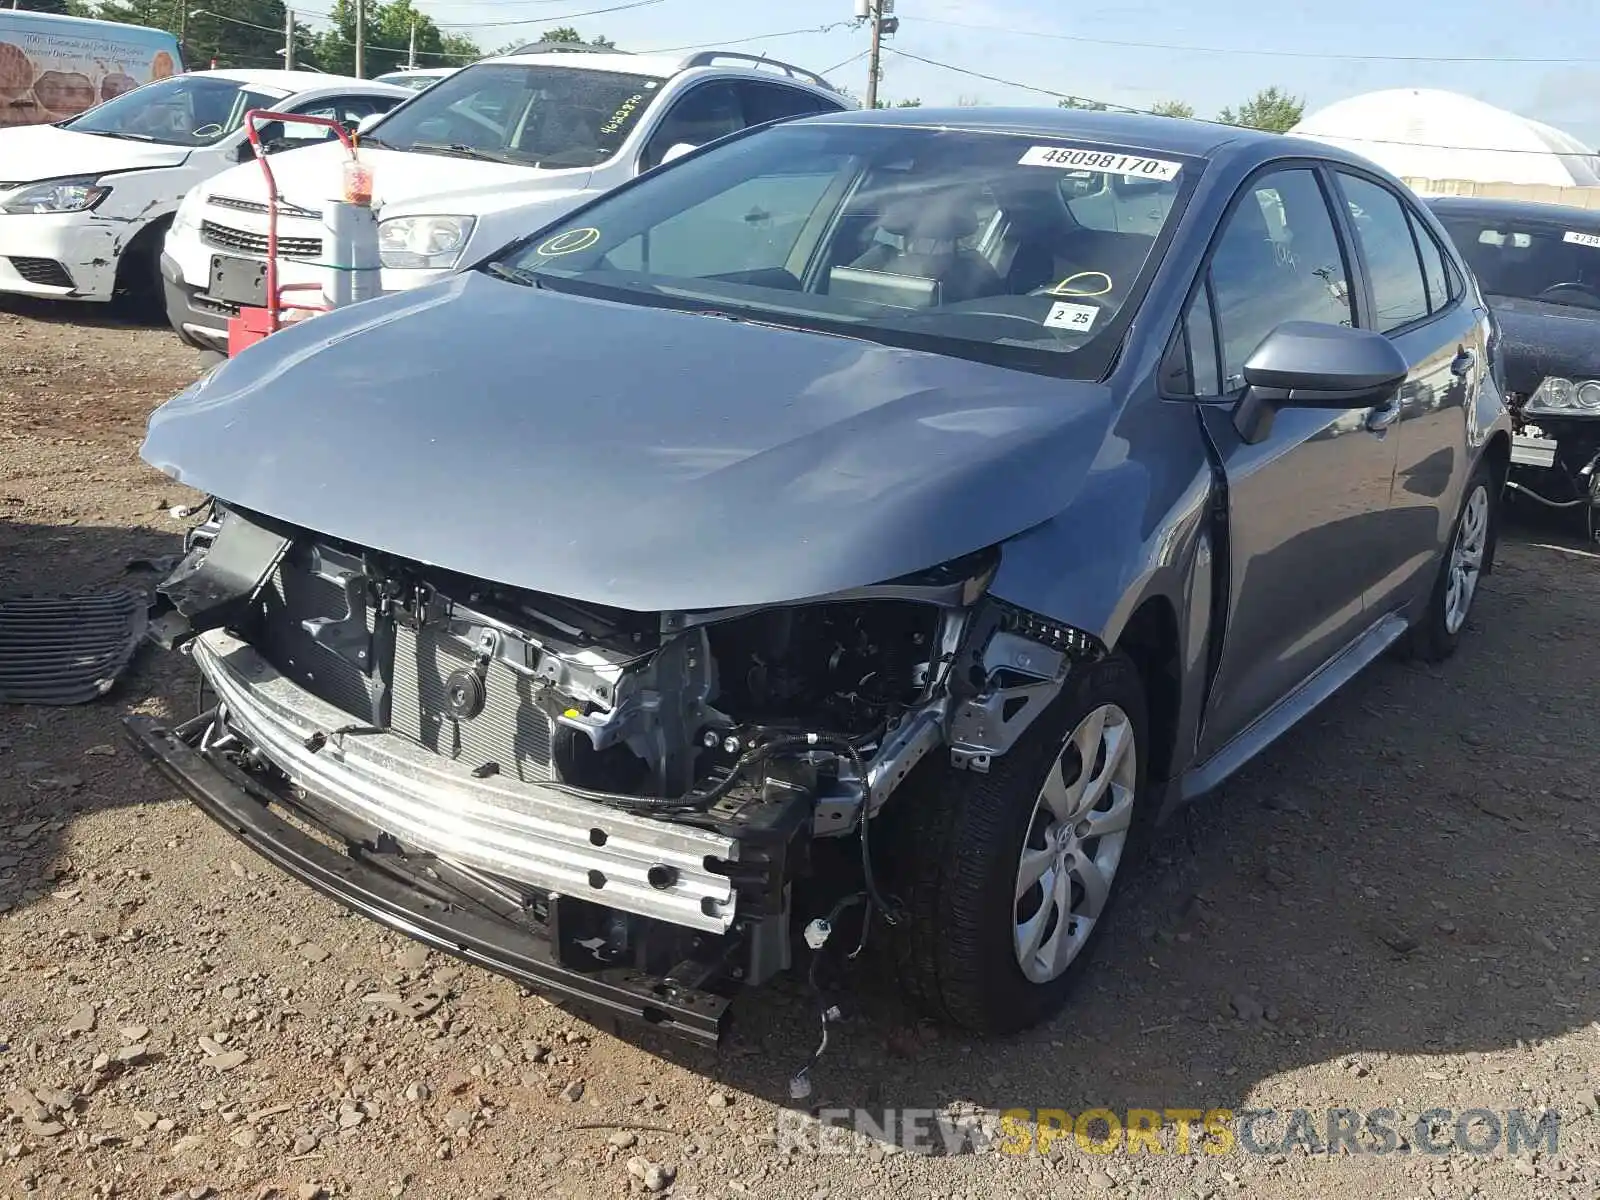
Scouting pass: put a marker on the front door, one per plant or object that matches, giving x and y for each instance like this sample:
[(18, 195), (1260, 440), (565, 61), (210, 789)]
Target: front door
[(1306, 502)]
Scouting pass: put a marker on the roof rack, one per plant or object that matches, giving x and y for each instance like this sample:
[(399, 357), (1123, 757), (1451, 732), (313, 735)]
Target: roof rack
[(709, 58), (565, 48)]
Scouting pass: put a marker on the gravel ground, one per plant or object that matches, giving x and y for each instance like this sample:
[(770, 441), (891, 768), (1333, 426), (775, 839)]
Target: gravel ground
[(1395, 908)]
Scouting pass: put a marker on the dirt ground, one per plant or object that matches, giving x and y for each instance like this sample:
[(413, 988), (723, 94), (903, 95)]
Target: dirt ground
[(1395, 908)]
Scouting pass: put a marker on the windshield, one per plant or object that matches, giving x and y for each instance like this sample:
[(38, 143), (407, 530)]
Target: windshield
[(983, 245), (185, 110), (1531, 260), (533, 115)]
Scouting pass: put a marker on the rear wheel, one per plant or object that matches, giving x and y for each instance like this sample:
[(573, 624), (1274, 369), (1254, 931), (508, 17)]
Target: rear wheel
[(1436, 634), (1009, 876)]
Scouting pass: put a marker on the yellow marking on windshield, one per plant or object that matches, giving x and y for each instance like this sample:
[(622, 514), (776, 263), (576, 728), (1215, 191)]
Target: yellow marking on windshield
[(570, 242), (1065, 288)]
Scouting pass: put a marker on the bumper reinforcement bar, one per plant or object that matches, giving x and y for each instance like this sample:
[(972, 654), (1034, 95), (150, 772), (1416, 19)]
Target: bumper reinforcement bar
[(493, 944)]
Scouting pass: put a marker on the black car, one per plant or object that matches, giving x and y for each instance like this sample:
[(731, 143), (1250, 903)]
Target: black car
[(1539, 267)]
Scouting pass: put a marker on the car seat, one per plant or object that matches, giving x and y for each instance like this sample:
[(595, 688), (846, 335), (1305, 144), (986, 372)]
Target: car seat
[(928, 230)]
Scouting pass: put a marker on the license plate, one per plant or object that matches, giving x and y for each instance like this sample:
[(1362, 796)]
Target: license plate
[(238, 281), (1533, 452)]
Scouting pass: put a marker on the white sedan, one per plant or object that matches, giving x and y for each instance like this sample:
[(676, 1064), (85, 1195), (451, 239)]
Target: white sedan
[(85, 204)]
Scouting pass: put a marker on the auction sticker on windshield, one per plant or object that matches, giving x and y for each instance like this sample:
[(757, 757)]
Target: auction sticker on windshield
[(1591, 240), (1071, 316), (1074, 158)]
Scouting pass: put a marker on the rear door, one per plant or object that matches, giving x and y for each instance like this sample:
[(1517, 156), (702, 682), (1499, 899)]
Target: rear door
[(1417, 304), (1304, 503)]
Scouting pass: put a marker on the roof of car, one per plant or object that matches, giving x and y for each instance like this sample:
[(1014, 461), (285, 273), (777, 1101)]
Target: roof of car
[(1141, 130), (287, 81), (1528, 210), (665, 66), (660, 65)]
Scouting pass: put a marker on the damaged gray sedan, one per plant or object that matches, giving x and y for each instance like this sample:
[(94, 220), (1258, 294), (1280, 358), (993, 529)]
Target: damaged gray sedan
[(868, 523)]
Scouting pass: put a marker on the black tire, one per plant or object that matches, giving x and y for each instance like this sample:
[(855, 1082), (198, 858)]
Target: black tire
[(954, 853), (1430, 638), (140, 291)]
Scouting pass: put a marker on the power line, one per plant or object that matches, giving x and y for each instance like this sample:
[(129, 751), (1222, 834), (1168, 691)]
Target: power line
[(764, 37), (593, 12), (1263, 53), (1090, 100), (393, 49), (854, 58)]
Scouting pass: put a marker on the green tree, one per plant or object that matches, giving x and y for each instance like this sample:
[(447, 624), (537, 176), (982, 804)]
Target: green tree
[(567, 35), (388, 40), (61, 7), (1172, 108), (253, 37), (1271, 109), (1081, 102)]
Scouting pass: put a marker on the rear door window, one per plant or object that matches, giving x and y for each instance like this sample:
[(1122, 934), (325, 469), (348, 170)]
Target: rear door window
[(1399, 291)]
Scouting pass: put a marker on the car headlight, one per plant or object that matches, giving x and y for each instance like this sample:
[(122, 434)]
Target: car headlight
[(1554, 395), (188, 214), (56, 196), (415, 242), (1589, 396)]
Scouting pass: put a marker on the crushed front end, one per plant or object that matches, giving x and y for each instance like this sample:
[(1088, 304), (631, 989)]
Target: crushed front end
[(618, 808), (1555, 452)]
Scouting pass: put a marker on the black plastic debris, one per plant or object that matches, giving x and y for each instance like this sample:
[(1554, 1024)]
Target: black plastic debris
[(67, 649)]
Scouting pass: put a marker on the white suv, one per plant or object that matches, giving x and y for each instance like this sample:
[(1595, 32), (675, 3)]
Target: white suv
[(478, 159)]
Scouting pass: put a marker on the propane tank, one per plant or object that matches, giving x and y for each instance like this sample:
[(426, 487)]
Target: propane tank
[(352, 269)]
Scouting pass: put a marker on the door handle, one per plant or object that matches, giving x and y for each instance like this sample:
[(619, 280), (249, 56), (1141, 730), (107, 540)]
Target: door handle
[(1379, 419), (1463, 362)]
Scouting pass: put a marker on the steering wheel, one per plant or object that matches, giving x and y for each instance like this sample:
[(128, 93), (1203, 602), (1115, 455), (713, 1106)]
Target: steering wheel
[(206, 131), (1582, 289)]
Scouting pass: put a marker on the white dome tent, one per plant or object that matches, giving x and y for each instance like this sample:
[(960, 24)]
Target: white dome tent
[(1424, 134)]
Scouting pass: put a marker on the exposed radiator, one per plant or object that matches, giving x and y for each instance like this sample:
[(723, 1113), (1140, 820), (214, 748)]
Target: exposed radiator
[(511, 731)]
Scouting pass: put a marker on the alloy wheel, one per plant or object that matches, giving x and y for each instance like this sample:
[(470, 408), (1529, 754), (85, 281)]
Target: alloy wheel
[(1074, 844), (1466, 559)]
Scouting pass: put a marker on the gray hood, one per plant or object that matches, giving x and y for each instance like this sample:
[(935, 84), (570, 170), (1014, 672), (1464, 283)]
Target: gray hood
[(627, 455)]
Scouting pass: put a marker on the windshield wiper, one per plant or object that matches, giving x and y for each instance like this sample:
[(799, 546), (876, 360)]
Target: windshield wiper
[(378, 142), (742, 319), (457, 150), (520, 275), (127, 137)]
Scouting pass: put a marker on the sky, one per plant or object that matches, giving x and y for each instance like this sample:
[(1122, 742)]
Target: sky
[(1222, 50)]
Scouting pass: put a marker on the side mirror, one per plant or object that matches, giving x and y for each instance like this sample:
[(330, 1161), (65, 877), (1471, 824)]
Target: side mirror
[(1306, 364), (678, 151), (245, 152), (367, 122)]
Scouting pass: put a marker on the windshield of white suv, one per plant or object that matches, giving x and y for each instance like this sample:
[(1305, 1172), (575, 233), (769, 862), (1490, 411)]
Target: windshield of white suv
[(531, 115), (184, 110), (1016, 249)]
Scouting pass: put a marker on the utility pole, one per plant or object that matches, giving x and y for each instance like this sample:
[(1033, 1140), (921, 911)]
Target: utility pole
[(411, 54), (874, 15), (288, 39), (361, 38)]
